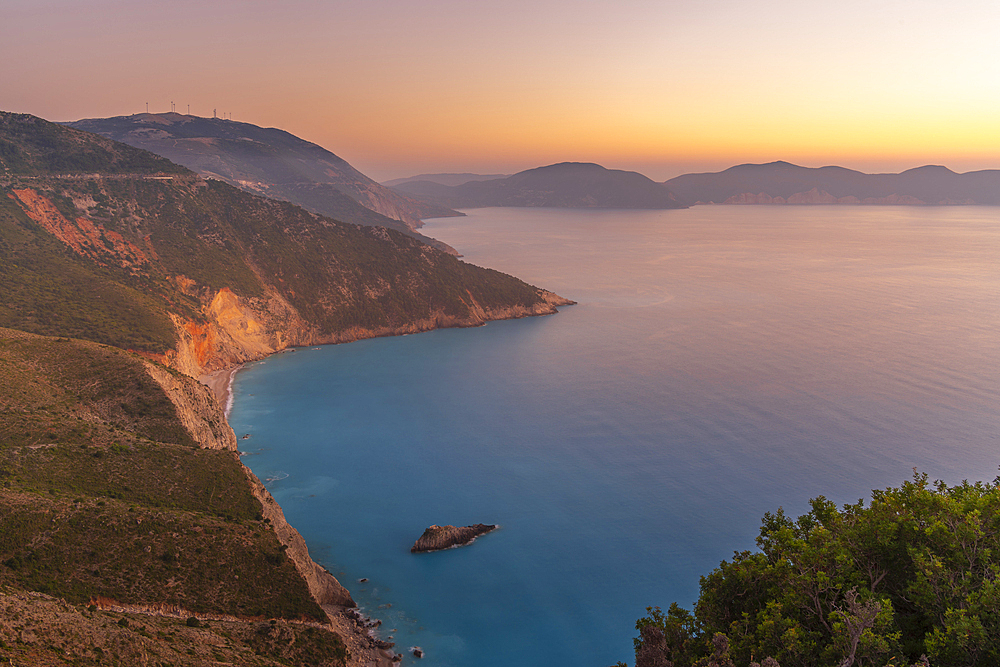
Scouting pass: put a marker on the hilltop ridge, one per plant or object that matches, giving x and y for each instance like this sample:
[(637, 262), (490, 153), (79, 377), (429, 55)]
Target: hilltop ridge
[(785, 183), (270, 162), (129, 529), (203, 276), (564, 185)]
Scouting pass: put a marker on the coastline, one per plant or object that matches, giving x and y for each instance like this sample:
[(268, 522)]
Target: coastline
[(221, 384), (364, 647)]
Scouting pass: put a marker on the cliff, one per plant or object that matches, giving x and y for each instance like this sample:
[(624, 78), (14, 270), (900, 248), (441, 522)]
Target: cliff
[(323, 586), (237, 331), (122, 490), (202, 276), (122, 493), (201, 415)]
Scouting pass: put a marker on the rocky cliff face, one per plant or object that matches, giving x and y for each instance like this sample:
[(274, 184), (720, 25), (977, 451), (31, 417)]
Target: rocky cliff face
[(202, 416), (237, 330), (324, 586), (201, 276)]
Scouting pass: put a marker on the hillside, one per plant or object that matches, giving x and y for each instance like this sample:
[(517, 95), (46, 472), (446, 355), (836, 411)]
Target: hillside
[(564, 185), (785, 183), (201, 275), (130, 533), (121, 495), (449, 179), (269, 162)]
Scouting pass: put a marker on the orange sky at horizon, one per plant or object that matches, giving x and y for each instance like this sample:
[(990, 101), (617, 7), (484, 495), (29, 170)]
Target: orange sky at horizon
[(400, 88)]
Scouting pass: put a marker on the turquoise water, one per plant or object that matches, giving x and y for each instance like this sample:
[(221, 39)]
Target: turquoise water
[(722, 362)]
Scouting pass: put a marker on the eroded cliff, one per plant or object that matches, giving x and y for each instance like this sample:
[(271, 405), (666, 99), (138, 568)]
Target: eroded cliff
[(203, 417), (236, 294), (237, 330)]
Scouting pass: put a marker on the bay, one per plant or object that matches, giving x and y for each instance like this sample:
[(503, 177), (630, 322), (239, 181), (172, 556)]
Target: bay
[(721, 362)]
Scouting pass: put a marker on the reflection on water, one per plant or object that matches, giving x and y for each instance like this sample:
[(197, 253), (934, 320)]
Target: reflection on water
[(722, 362)]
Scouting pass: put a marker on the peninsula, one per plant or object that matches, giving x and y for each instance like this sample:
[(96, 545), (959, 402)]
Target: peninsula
[(129, 529)]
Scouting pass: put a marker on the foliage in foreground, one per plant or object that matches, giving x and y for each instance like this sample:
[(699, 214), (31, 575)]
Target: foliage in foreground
[(909, 578)]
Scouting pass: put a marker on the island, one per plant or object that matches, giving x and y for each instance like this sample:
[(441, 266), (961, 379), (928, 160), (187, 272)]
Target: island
[(436, 538)]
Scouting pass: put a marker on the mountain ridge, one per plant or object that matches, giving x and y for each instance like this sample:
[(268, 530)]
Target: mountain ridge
[(270, 162), (777, 182), (564, 185), (124, 507), (203, 276), (782, 182), (449, 179)]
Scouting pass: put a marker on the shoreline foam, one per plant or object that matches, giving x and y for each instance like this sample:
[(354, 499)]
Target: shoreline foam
[(365, 648), (221, 384)]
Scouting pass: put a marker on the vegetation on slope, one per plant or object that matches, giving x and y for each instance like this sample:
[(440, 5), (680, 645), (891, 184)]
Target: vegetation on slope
[(46, 632), (105, 495), (30, 146), (111, 256), (48, 289), (915, 573), (273, 163)]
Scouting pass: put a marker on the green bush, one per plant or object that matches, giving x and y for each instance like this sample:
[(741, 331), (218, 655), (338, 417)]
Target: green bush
[(915, 573)]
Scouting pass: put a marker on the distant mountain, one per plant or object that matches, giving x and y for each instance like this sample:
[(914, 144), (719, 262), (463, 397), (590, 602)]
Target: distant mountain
[(109, 243), (431, 192), (785, 183), (269, 162), (450, 180), (564, 185)]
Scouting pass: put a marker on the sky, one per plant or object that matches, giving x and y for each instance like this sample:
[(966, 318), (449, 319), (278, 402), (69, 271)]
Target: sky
[(401, 87)]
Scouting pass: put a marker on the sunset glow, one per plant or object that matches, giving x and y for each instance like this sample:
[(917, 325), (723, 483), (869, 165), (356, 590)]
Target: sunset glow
[(397, 88)]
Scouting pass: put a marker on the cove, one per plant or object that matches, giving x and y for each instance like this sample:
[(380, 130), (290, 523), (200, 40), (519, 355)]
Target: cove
[(721, 362)]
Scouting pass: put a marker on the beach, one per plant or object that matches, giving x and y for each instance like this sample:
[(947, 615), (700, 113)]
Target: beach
[(221, 382)]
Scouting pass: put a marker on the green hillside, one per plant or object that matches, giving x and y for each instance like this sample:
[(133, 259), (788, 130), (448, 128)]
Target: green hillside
[(114, 502), (273, 163), (32, 146), (110, 256), (100, 480), (104, 495)]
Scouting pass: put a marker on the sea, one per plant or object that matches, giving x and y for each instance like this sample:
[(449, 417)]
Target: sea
[(721, 362)]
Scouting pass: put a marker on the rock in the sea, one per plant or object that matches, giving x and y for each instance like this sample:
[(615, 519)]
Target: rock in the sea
[(436, 538)]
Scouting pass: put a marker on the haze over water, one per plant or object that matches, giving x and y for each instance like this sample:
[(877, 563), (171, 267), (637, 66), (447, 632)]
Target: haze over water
[(722, 362)]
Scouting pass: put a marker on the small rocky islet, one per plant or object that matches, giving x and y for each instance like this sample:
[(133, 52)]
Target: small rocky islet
[(436, 538)]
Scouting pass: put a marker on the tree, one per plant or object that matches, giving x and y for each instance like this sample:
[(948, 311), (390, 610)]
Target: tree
[(913, 576)]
